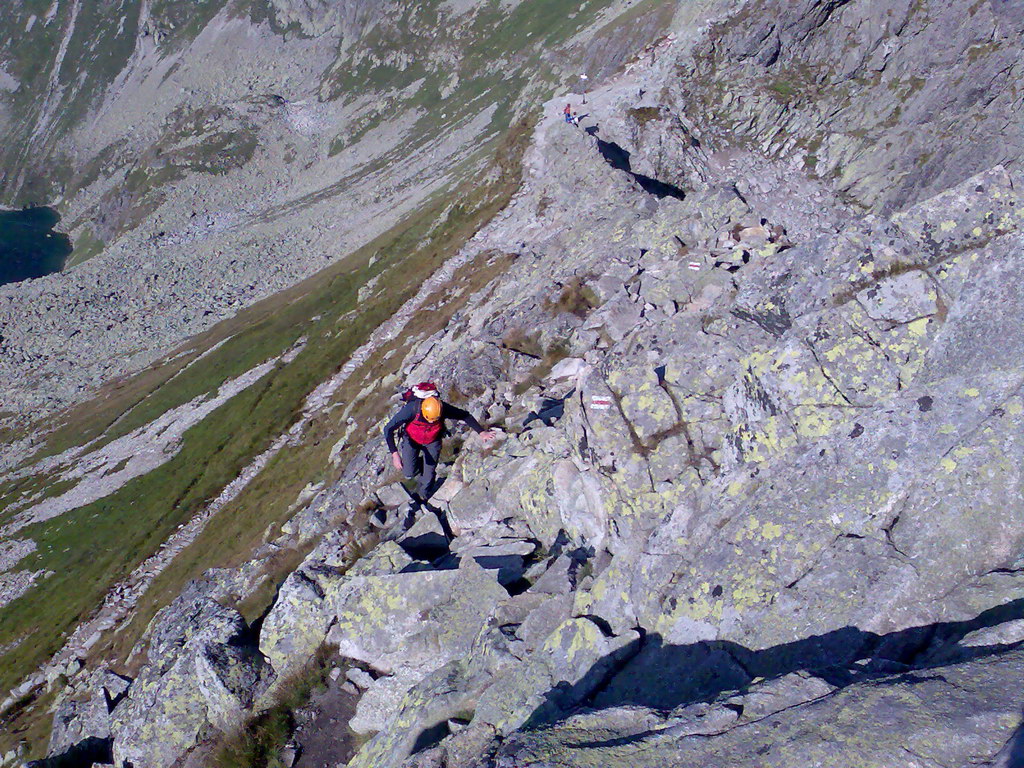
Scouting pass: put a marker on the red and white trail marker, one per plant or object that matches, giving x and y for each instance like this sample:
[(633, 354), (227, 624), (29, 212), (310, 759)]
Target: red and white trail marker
[(600, 403), (694, 265)]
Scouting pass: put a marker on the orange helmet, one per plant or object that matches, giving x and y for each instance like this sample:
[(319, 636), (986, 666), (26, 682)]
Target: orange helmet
[(431, 409)]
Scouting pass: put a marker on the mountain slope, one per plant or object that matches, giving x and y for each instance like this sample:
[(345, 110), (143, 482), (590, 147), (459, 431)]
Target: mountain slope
[(745, 508), (106, 505), (229, 150), (755, 494)]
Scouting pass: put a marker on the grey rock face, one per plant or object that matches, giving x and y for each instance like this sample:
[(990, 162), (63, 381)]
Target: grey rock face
[(408, 625), (923, 717), (895, 101), (405, 624), (302, 613), (201, 674)]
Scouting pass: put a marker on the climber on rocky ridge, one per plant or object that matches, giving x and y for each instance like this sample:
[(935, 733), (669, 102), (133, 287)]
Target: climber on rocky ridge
[(423, 418)]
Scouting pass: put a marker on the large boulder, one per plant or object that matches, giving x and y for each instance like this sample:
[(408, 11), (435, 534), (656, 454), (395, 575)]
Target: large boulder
[(503, 684), (303, 612), (203, 673), (407, 625), (403, 619)]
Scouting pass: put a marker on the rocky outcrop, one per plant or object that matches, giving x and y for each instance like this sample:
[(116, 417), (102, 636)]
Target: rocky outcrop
[(713, 431), (81, 722), (404, 622), (963, 715), (201, 674), (755, 499), (893, 102)]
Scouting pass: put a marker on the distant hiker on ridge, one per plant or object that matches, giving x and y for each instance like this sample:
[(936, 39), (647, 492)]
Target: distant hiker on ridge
[(568, 113), (423, 417)]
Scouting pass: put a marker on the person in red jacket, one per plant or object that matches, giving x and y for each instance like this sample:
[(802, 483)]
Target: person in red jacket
[(423, 416)]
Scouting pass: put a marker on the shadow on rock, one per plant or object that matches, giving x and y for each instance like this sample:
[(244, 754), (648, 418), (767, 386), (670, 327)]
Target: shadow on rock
[(1012, 755), (618, 158), (426, 547), (84, 754), (662, 676)]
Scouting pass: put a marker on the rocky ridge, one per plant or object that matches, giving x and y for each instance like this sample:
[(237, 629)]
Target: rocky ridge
[(756, 497), (892, 103), (689, 560)]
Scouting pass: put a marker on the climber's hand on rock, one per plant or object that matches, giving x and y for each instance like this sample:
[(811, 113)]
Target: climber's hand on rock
[(487, 435), (396, 459)]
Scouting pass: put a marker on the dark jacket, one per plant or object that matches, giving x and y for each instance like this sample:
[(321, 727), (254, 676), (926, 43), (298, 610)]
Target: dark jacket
[(409, 411)]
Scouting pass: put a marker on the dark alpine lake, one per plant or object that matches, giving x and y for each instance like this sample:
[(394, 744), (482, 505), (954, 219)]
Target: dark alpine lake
[(29, 246)]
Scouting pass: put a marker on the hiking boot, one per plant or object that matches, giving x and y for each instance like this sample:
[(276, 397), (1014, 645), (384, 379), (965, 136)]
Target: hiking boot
[(442, 519), (410, 518)]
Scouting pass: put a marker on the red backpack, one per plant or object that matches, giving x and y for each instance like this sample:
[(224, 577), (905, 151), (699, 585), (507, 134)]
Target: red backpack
[(422, 391)]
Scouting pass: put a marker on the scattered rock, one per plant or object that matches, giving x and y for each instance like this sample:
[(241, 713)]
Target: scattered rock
[(359, 677)]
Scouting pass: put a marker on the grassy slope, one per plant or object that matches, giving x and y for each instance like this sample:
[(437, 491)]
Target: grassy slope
[(492, 57)]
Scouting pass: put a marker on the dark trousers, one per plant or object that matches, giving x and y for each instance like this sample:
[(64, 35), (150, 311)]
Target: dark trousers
[(421, 461)]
